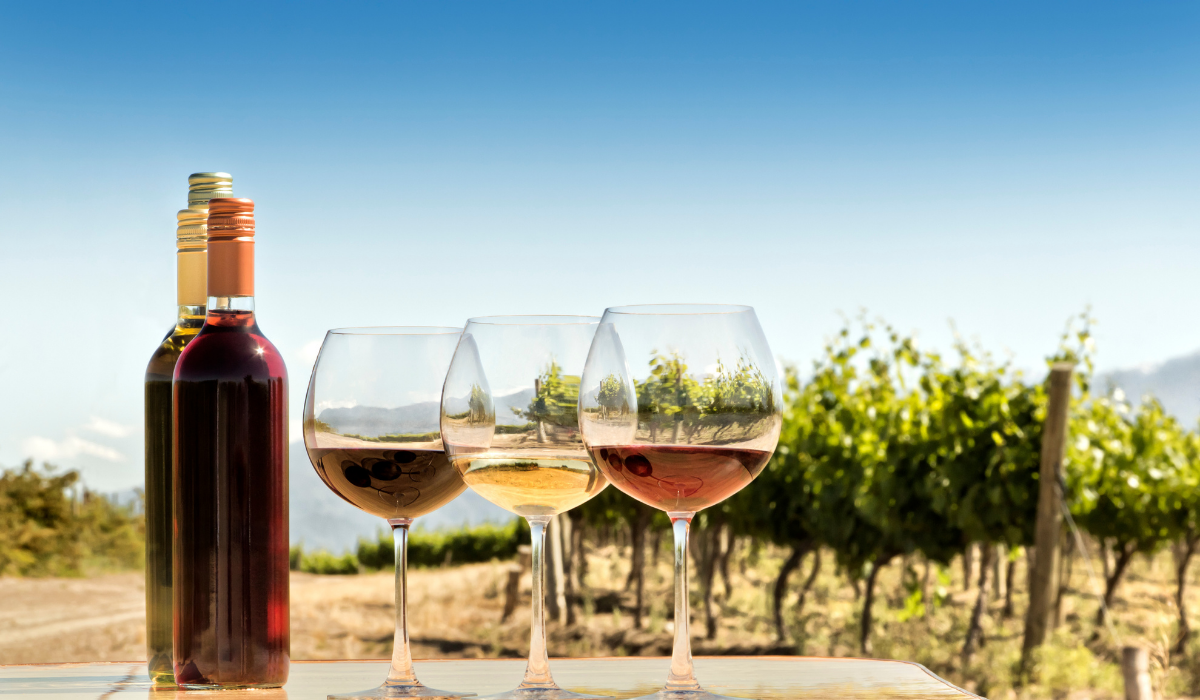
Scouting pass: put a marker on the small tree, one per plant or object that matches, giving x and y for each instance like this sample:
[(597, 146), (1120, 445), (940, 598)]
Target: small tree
[(989, 428), (776, 506), (555, 401), (1183, 489), (1121, 471), (862, 436)]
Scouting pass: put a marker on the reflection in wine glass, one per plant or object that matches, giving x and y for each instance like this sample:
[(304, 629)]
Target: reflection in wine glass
[(371, 429), (680, 408), (510, 424)]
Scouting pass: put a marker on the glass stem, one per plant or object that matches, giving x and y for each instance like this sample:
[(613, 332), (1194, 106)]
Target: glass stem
[(402, 669), (537, 672), (681, 676)]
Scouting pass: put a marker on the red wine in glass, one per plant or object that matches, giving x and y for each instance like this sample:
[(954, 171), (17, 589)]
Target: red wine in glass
[(679, 406), (680, 478)]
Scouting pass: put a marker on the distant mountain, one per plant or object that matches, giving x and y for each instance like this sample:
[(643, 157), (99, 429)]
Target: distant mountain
[(506, 404), (1175, 383), (370, 421)]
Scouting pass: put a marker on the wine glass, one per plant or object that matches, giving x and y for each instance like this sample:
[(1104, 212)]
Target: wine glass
[(371, 430), (680, 408), (510, 426)]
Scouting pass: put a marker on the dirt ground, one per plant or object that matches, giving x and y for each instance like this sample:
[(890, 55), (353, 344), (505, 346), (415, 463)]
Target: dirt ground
[(453, 612), (103, 618), (92, 619), (456, 612)]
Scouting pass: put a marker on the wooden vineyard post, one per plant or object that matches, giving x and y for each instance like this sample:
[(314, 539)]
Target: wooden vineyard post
[(567, 538), (1135, 668), (556, 598), (1043, 583), (512, 592)]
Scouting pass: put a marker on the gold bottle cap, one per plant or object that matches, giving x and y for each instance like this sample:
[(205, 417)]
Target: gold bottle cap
[(191, 235), (205, 186), (192, 231)]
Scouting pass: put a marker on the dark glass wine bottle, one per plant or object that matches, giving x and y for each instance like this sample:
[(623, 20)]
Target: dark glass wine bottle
[(191, 281), (231, 479)]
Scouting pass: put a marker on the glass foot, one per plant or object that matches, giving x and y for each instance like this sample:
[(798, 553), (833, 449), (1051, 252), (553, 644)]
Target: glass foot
[(554, 693), (400, 691), (698, 694)]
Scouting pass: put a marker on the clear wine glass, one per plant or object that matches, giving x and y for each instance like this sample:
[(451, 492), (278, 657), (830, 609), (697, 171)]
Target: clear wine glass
[(371, 430), (510, 426), (680, 408)]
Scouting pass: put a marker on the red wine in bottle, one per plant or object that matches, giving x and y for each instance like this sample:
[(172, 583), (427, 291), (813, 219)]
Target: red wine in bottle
[(388, 482), (231, 479), (191, 280), (679, 478)]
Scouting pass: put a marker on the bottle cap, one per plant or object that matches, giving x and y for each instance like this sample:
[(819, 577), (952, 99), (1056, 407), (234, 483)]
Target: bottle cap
[(205, 186), (230, 217), (231, 247), (191, 233)]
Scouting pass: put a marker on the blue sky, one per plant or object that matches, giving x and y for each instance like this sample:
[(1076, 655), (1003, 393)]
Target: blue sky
[(1001, 165)]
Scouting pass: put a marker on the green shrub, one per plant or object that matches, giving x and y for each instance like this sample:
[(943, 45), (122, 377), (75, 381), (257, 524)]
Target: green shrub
[(113, 535), (48, 527), (433, 548), (375, 555), (1066, 664), (322, 562)]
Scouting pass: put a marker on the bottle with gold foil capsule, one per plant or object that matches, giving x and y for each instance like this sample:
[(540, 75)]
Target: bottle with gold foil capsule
[(231, 479), (192, 294)]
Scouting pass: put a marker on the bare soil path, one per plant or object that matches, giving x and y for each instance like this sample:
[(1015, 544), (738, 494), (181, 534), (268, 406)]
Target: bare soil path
[(102, 618), (77, 619)]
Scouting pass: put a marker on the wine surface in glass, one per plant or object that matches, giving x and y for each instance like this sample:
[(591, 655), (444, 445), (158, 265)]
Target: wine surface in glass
[(388, 482), (545, 484), (680, 478)]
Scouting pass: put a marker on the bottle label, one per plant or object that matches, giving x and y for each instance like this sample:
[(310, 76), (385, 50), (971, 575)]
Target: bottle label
[(231, 267), (191, 277)]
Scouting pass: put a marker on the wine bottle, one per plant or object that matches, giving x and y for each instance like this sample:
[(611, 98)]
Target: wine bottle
[(231, 472), (191, 281)]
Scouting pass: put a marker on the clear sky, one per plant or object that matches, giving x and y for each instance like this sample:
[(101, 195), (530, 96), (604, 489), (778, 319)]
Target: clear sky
[(1001, 164)]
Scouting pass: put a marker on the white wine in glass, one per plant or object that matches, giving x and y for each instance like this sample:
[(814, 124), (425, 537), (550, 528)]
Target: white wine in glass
[(510, 425)]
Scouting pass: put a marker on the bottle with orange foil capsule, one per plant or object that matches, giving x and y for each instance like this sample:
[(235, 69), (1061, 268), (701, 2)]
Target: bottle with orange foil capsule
[(230, 597), (192, 283)]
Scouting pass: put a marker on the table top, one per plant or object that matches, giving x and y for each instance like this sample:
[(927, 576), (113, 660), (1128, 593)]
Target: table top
[(761, 677)]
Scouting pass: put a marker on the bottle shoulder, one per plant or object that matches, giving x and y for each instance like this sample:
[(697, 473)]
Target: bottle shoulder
[(162, 363), (230, 353)]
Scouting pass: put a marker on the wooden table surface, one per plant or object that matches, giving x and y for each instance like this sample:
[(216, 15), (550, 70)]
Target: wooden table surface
[(762, 677)]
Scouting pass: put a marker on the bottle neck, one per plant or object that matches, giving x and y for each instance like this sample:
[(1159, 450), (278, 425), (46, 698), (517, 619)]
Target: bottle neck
[(191, 274), (230, 311), (191, 316)]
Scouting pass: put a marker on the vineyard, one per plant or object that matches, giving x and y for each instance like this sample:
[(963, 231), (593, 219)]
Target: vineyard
[(896, 518), (893, 455)]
